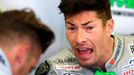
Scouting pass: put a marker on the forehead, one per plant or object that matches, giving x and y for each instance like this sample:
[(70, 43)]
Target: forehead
[(82, 17)]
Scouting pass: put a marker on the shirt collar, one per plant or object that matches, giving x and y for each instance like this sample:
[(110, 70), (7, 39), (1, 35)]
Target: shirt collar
[(118, 49)]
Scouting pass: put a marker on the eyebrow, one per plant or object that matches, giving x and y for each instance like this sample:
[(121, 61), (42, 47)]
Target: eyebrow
[(70, 23), (83, 24), (86, 23)]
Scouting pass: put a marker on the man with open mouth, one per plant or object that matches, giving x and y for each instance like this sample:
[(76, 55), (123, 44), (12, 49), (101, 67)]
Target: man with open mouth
[(94, 49)]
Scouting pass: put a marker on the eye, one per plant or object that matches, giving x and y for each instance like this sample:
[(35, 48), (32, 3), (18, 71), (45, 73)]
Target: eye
[(71, 28), (89, 28)]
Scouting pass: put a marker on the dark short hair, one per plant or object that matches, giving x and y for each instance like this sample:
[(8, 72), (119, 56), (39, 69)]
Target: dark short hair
[(72, 7), (24, 22)]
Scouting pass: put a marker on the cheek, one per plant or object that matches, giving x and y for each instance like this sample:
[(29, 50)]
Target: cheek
[(28, 68), (30, 64), (69, 37), (24, 70), (100, 44), (97, 40)]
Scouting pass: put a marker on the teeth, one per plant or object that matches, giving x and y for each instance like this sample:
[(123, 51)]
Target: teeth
[(82, 48)]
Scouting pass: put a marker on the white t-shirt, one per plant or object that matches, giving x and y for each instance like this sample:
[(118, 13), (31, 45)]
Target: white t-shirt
[(5, 68)]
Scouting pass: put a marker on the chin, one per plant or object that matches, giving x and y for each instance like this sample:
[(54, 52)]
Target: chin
[(85, 63)]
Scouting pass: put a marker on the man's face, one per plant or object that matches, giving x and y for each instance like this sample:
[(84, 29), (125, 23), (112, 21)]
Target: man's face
[(31, 61), (27, 58), (87, 37)]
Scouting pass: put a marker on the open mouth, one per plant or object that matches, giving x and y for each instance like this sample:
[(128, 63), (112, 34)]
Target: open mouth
[(84, 50)]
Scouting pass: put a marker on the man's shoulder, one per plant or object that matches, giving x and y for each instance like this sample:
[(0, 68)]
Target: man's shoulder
[(57, 62), (64, 52), (4, 64), (128, 38), (127, 43), (62, 56)]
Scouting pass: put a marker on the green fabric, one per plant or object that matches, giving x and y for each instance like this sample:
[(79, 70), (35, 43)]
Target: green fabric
[(104, 73)]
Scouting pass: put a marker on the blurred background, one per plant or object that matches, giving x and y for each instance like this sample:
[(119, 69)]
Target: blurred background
[(48, 12)]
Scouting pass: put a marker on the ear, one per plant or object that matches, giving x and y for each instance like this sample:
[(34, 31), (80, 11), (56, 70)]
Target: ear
[(110, 26), (21, 57)]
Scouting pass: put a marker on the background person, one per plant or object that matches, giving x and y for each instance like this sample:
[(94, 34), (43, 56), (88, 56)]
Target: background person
[(23, 38)]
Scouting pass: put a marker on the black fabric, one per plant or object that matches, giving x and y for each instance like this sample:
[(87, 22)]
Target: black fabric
[(43, 69)]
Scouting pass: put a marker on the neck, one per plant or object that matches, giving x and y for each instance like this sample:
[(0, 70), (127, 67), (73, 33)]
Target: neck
[(108, 53)]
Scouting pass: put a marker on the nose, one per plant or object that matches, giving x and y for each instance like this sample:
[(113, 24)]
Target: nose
[(80, 37)]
